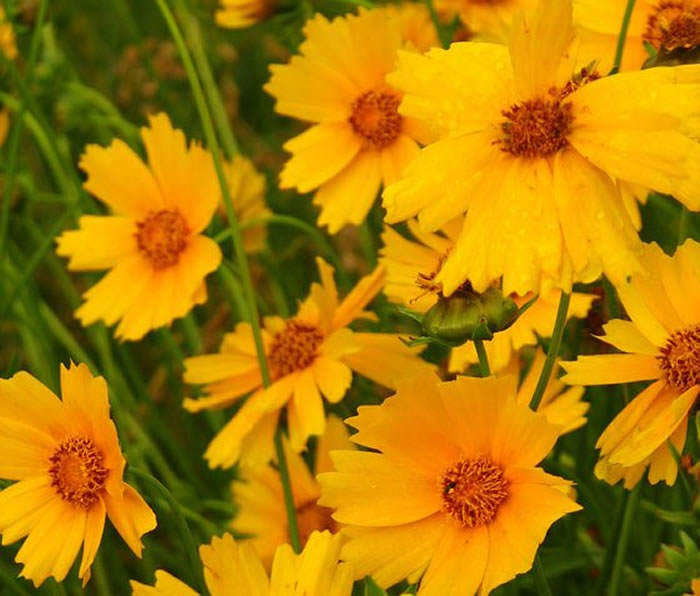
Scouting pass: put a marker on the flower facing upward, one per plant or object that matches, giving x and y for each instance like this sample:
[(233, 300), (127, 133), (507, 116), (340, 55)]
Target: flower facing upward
[(233, 569), (152, 245), (238, 14), (532, 150), (359, 140), (309, 355), (452, 488), (661, 344), (65, 456), (262, 513)]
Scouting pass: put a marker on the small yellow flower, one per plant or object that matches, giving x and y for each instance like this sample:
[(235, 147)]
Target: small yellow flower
[(232, 568), (262, 512), (532, 151), (416, 26), (66, 459), (8, 46), (451, 486), (661, 344), (695, 587), (358, 140), (152, 245), (238, 14), (487, 20), (310, 355)]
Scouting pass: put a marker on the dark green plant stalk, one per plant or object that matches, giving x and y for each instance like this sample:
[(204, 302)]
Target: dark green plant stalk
[(630, 509), (540, 577), (622, 37), (484, 367)]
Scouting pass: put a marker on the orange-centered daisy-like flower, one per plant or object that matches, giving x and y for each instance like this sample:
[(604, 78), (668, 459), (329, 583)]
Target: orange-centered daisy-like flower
[(359, 139), (152, 244), (310, 355), (661, 344), (532, 151), (452, 474), (66, 459)]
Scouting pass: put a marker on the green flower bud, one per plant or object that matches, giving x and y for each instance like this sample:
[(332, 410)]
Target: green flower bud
[(453, 320)]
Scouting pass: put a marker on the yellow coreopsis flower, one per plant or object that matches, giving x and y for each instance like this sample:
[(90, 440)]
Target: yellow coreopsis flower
[(411, 270), (488, 20), (661, 344), (4, 125), (232, 569), (8, 45), (695, 588), (359, 140), (664, 24), (416, 26), (451, 487), (310, 355), (153, 245), (65, 455), (238, 14), (532, 152), (262, 514)]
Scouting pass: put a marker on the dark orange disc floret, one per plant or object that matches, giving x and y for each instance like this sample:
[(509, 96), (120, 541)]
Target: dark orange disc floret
[(679, 358), (77, 471), (312, 517), (162, 237), (472, 490), (673, 25), (294, 349), (374, 117)]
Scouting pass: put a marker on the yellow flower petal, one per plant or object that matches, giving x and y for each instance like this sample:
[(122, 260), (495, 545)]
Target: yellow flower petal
[(110, 240), (607, 369)]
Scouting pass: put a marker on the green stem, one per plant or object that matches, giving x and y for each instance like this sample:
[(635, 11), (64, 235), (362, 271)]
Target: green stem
[(622, 37), (553, 352), (288, 496), (484, 367), (180, 523), (541, 578), (621, 550), (682, 224)]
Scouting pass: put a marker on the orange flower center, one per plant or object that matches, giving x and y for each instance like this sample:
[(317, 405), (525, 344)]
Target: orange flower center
[(293, 349), (162, 236), (77, 472), (376, 119), (680, 358), (674, 25), (311, 517), (472, 491)]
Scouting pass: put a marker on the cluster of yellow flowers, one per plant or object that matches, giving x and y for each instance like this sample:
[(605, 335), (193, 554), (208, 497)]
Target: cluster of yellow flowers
[(517, 164)]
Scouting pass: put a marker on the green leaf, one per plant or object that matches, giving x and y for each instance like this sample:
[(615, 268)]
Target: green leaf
[(372, 589)]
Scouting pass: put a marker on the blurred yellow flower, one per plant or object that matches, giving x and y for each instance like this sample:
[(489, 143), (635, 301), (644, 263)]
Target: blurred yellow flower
[(486, 20), (533, 154), (4, 125), (8, 45), (66, 458), (152, 245), (414, 22), (695, 587), (237, 14), (309, 355), (232, 568), (661, 344), (261, 510), (359, 140), (451, 487)]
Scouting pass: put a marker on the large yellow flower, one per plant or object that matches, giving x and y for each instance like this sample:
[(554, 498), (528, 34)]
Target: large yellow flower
[(65, 456), (238, 14), (262, 514), (358, 140), (152, 245), (310, 355), (486, 20), (661, 344), (667, 24), (532, 151), (451, 488), (232, 569), (411, 269)]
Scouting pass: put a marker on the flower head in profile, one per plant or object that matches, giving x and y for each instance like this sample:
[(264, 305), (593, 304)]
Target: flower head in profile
[(261, 511), (152, 244), (310, 356), (65, 456), (358, 140), (485, 20), (232, 568), (238, 14), (532, 149), (661, 343), (453, 473), (411, 270)]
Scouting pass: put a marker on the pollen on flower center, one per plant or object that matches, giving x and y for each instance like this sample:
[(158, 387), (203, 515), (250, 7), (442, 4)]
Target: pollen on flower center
[(294, 348), (472, 490), (674, 24), (77, 471), (311, 517), (680, 358), (375, 117), (162, 237)]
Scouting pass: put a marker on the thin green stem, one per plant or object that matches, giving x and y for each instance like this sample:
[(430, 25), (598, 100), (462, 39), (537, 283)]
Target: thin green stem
[(682, 224), (621, 550), (553, 352), (622, 37), (288, 496), (484, 367), (540, 578)]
